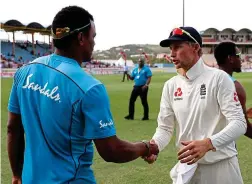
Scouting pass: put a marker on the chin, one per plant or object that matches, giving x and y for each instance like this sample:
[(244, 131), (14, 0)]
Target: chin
[(177, 66), (238, 70), (87, 59)]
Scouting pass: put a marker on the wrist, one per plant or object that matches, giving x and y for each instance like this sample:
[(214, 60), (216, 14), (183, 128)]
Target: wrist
[(16, 177), (147, 148), (210, 145)]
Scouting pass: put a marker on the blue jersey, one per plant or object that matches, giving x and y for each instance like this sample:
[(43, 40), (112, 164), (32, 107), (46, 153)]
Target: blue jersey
[(63, 109), (141, 76)]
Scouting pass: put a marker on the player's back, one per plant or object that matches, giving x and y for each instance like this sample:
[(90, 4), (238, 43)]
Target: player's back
[(49, 92)]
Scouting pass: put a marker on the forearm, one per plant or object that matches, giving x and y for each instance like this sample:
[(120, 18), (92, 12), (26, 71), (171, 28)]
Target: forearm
[(148, 81), (249, 125), (126, 152), (165, 120), (230, 133), (15, 146), (131, 78), (162, 138), (249, 129)]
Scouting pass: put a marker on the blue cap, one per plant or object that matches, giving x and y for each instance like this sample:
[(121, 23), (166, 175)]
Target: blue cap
[(183, 37)]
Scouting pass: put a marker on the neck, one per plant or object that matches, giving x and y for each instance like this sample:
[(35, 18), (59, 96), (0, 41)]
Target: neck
[(226, 69), (196, 59), (69, 54), (181, 71)]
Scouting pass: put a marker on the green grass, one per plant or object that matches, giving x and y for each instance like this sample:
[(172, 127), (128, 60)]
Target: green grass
[(136, 172)]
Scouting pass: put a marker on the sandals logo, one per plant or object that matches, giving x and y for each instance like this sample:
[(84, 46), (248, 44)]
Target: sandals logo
[(43, 90)]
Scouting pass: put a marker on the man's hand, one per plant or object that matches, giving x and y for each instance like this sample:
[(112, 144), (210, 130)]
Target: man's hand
[(144, 87), (16, 180), (153, 156), (153, 148), (194, 150), (249, 113), (129, 76)]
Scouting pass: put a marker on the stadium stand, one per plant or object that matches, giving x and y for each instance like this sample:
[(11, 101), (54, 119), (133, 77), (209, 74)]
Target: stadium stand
[(18, 52)]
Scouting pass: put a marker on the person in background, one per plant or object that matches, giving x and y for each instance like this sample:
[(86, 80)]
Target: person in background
[(142, 78), (228, 58), (125, 72)]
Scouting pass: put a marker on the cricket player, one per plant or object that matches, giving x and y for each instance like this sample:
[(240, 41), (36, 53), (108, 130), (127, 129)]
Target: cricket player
[(62, 110), (202, 104), (228, 57)]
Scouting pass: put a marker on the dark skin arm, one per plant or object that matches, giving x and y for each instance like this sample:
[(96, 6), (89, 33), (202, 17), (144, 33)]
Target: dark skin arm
[(129, 76), (15, 143), (148, 80), (242, 97), (249, 113), (147, 83), (112, 149)]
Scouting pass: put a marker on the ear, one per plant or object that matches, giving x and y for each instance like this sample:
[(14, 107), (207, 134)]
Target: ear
[(196, 47), (81, 38), (230, 59)]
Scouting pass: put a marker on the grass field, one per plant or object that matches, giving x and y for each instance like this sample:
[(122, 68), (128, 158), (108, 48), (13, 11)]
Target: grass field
[(136, 172)]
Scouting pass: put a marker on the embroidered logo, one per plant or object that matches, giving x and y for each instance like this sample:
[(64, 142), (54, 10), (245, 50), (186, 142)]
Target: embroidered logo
[(102, 125), (236, 97), (203, 91), (178, 94)]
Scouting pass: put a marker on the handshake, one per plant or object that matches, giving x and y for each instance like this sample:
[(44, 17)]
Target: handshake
[(153, 151)]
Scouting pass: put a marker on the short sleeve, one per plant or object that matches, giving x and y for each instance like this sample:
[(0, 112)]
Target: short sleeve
[(133, 73), (149, 73), (96, 109), (13, 104)]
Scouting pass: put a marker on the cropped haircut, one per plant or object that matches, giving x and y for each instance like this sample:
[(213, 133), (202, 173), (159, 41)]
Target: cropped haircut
[(223, 50), (200, 48), (72, 17)]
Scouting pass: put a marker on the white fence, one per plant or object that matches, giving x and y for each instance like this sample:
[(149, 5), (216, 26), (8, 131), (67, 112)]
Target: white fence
[(9, 72), (6, 73)]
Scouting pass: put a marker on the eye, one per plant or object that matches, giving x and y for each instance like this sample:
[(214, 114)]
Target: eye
[(176, 47)]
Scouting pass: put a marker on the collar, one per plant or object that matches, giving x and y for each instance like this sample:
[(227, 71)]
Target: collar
[(64, 59), (139, 69), (195, 70)]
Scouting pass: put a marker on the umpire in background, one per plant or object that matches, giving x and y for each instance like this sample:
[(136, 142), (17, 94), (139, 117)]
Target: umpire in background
[(142, 77), (125, 72)]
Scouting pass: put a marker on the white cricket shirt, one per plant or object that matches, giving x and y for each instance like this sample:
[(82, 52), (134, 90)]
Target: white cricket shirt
[(203, 105)]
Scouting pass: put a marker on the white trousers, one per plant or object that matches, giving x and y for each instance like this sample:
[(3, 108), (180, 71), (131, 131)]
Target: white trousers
[(223, 172)]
